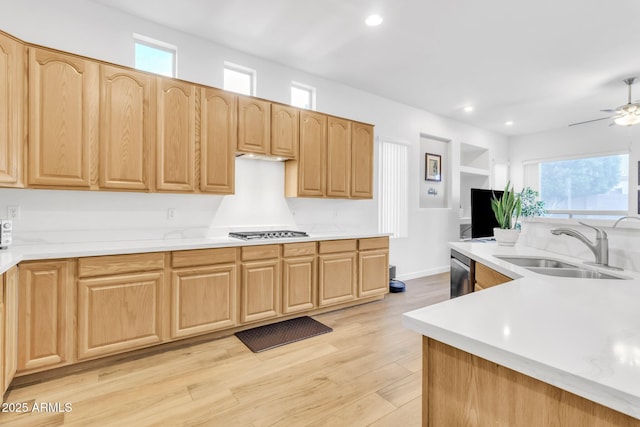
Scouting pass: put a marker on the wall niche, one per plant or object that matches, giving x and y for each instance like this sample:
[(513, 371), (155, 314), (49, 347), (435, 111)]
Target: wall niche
[(435, 172)]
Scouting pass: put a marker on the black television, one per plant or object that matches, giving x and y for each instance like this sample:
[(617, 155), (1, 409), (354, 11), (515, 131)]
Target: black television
[(482, 218)]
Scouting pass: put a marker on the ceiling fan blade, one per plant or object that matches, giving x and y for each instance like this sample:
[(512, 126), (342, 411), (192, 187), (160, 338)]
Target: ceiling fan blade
[(589, 121)]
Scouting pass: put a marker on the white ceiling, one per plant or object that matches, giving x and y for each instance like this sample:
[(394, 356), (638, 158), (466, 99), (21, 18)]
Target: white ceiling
[(542, 64)]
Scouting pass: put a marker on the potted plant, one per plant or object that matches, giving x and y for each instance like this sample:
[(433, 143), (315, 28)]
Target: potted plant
[(507, 210)]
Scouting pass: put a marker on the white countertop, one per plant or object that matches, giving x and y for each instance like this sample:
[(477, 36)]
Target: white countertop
[(581, 335), (15, 254)]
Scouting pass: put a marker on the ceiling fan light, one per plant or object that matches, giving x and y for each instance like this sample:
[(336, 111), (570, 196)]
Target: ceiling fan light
[(628, 120)]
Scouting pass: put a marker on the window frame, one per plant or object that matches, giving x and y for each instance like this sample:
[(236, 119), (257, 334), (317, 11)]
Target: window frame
[(305, 87), (253, 74), (158, 45)]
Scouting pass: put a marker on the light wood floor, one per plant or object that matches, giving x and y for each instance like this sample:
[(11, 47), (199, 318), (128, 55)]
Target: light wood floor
[(367, 372)]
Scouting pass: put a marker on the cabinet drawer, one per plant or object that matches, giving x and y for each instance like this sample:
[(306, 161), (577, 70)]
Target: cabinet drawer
[(373, 243), (333, 246), (116, 264), (299, 249), (250, 253), (203, 257)]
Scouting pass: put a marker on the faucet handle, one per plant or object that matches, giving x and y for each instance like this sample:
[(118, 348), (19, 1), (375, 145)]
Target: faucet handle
[(600, 233)]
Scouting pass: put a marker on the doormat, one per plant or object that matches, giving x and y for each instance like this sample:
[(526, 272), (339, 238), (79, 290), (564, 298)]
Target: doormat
[(277, 334)]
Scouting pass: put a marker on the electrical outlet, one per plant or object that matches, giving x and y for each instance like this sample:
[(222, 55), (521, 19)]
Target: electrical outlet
[(171, 214), (13, 213)]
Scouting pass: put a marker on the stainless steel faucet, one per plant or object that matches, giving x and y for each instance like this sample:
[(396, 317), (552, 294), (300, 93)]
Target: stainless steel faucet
[(600, 248), (624, 218)]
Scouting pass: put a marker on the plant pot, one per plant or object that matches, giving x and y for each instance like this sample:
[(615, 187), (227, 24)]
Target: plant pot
[(506, 236)]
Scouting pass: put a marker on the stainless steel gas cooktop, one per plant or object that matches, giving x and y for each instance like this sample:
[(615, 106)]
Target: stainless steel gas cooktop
[(270, 234)]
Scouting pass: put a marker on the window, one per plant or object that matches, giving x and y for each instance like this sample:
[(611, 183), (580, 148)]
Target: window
[(393, 208), (303, 96), (155, 56), (239, 79), (590, 186)]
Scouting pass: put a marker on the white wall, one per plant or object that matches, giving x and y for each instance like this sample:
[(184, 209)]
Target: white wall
[(90, 29)]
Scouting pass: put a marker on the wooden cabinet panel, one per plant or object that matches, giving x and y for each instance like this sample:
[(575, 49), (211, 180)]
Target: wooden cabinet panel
[(298, 284), (486, 277), (312, 154), (3, 379), (201, 257), (63, 119), (119, 313), (254, 125), (203, 300), (127, 126), (333, 246), (260, 295), (285, 123), (338, 157), (118, 264), (336, 278), (10, 326), (175, 152), (12, 102), (373, 273), (218, 135), (361, 160), (45, 310), (290, 250), (373, 243), (257, 252)]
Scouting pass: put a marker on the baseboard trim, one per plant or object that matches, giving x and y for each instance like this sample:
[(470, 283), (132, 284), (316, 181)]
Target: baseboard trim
[(423, 273)]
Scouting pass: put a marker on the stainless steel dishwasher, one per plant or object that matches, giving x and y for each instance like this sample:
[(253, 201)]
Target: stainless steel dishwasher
[(461, 269)]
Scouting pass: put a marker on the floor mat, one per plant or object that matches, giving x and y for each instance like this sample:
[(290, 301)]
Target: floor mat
[(270, 336)]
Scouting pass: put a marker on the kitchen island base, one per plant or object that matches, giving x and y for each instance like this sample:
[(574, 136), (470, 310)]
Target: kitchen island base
[(459, 388)]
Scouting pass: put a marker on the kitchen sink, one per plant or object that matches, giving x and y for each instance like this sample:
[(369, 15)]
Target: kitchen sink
[(553, 267), (536, 262), (580, 273)]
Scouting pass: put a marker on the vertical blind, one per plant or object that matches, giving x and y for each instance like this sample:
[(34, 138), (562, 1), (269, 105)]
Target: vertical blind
[(392, 185)]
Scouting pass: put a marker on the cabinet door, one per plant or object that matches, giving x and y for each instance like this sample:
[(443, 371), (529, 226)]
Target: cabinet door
[(119, 313), (10, 325), (63, 119), (298, 284), (254, 125), (373, 276), (486, 277), (337, 278), (45, 314), (285, 123), (361, 160), (176, 118), (260, 290), (203, 300), (12, 77), (311, 158), (218, 135), (126, 128), (338, 157)]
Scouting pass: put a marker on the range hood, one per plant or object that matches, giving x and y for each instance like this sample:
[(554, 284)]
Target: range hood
[(261, 157)]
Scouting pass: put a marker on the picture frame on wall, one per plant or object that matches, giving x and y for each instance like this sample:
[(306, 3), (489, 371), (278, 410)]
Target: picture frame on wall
[(433, 167)]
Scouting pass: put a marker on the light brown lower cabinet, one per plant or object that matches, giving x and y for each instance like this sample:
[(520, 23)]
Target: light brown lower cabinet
[(486, 277), (9, 353), (46, 309), (260, 283), (337, 271), (203, 292), (373, 266), (120, 301), (299, 271)]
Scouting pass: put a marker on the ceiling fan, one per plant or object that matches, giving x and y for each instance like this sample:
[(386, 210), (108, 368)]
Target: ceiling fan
[(624, 115)]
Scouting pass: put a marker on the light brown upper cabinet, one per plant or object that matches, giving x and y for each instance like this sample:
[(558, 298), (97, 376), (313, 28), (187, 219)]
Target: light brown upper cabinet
[(63, 120), (127, 127), (254, 125), (12, 76), (218, 135), (285, 123), (338, 157), (361, 160), (305, 177), (176, 135)]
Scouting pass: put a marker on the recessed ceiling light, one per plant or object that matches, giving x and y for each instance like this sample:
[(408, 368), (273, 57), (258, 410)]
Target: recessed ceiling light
[(509, 123), (468, 108), (373, 20)]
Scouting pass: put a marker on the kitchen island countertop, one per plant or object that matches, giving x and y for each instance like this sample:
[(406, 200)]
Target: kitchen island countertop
[(581, 335)]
